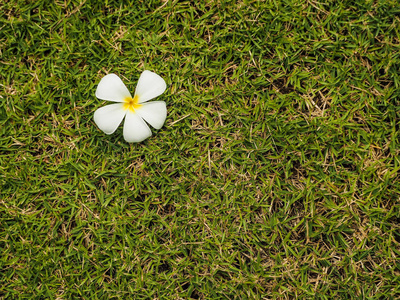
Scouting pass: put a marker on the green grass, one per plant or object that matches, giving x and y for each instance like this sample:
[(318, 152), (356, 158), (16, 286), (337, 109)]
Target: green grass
[(276, 175)]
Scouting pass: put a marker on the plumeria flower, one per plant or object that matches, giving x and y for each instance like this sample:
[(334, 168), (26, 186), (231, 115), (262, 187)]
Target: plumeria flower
[(136, 109)]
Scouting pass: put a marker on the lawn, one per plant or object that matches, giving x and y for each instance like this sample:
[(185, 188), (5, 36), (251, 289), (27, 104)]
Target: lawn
[(275, 176)]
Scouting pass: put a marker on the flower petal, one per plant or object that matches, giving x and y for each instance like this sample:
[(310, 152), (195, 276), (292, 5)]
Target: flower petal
[(112, 88), (154, 113), (108, 117), (150, 85), (135, 129)]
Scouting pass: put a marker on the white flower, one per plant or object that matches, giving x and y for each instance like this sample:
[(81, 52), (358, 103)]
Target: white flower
[(135, 110)]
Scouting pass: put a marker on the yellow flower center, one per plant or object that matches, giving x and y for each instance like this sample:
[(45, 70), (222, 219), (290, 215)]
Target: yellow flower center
[(132, 103)]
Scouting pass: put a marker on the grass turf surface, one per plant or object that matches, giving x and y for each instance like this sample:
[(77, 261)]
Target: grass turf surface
[(276, 175)]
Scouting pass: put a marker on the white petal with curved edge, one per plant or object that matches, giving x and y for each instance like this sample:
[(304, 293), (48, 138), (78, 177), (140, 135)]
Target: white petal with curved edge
[(150, 85), (108, 117), (154, 113), (135, 129), (112, 88)]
